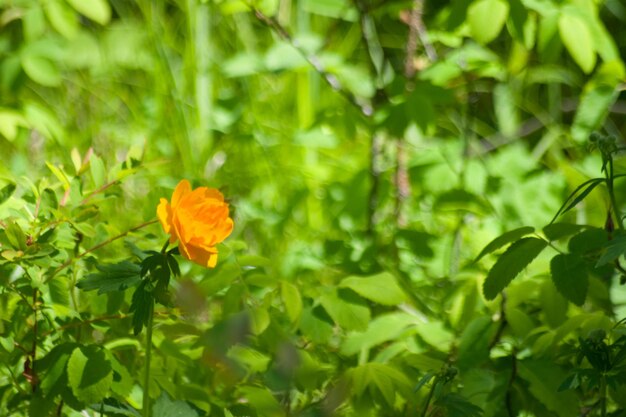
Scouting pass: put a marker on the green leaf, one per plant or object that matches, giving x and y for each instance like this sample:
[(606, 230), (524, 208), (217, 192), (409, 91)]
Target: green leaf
[(261, 400), (587, 241), (614, 249), (62, 18), (316, 324), (292, 300), (379, 377), (381, 288), (97, 10), (141, 306), (89, 374), (556, 231), (590, 184), (6, 192), (486, 19), (16, 236), (474, 342), (569, 274), (544, 378), (122, 380), (252, 360), (553, 304), (511, 263), (505, 238), (458, 406), (10, 121), (577, 38), (52, 368), (41, 69), (381, 329), (504, 106), (164, 406), (595, 104), (116, 277), (347, 311)]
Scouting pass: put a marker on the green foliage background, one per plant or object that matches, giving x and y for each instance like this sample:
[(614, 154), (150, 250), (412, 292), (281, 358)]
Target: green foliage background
[(370, 151)]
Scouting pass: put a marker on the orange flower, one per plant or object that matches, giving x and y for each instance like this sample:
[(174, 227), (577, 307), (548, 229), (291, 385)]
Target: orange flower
[(198, 219)]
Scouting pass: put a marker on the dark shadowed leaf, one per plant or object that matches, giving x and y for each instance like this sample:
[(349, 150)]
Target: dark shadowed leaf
[(511, 263), (116, 277), (505, 238), (569, 275)]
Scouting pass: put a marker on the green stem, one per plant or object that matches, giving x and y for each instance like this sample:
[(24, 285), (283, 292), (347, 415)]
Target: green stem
[(146, 384), (167, 243), (429, 398), (609, 183)]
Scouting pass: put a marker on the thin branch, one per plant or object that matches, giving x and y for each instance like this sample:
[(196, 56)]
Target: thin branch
[(364, 106), (403, 184), (98, 246), (375, 150), (503, 322)]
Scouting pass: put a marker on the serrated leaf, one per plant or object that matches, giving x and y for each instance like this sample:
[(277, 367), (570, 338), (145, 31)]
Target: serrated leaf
[(614, 249), (577, 38), (89, 374), (587, 241), (164, 406), (381, 288), (556, 231), (141, 306), (569, 275), (503, 239), (292, 300), (511, 263), (116, 277), (51, 368), (122, 380)]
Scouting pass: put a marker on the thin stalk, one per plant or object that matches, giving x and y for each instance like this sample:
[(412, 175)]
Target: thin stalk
[(429, 398), (609, 183), (98, 246), (146, 384)]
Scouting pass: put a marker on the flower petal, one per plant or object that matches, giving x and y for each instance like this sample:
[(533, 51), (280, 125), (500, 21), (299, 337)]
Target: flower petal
[(206, 257), (164, 213), (183, 188)]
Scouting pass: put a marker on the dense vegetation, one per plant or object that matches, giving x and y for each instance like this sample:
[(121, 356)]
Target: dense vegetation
[(428, 199)]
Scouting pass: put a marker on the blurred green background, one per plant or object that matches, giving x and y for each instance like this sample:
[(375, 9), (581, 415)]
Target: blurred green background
[(352, 138)]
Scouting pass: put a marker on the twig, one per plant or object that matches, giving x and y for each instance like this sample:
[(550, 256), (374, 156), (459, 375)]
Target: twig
[(99, 190), (98, 246), (403, 185), (503, 322), (375, 149), (364, 106)]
